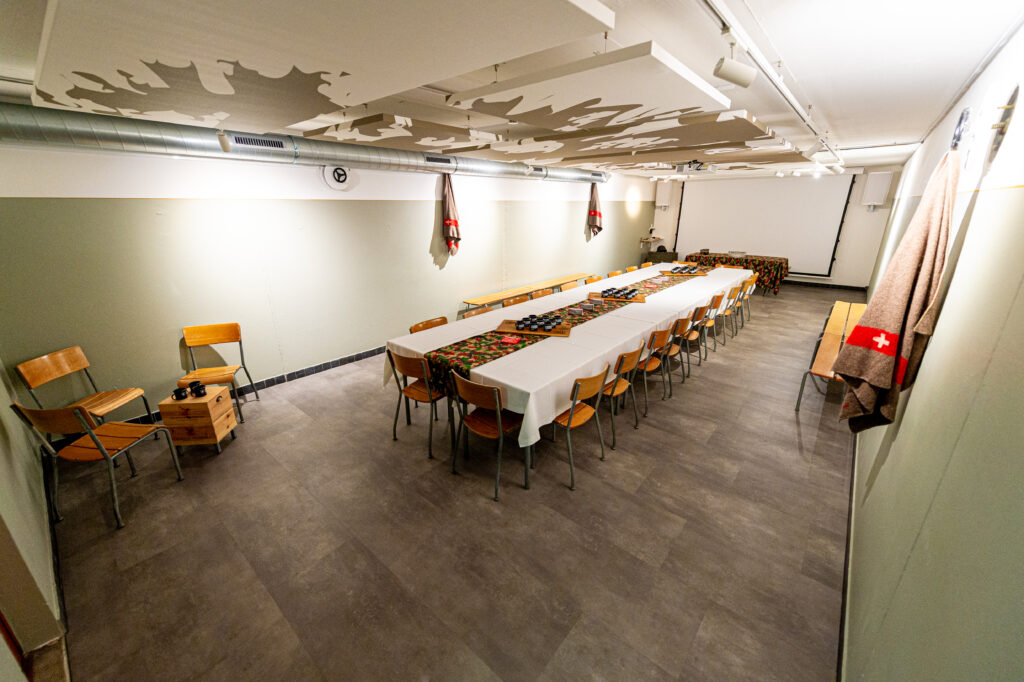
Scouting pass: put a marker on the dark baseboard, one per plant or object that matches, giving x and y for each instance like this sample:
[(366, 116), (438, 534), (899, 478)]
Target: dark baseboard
[(290, 376), (824, 285)]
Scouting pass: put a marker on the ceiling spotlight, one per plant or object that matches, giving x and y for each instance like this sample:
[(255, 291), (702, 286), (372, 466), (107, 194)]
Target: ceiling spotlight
[(728, 69)]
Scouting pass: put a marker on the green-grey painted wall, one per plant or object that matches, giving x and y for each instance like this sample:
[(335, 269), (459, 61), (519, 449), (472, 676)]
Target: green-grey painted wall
[(308, 280), (936, 584)]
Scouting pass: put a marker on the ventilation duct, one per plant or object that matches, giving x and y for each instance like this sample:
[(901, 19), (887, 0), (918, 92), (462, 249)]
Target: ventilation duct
[(53, 127)]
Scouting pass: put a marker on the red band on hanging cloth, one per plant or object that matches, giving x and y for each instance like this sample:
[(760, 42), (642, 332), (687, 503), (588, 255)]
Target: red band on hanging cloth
[(451, 223), (597, 213), (879, 341)]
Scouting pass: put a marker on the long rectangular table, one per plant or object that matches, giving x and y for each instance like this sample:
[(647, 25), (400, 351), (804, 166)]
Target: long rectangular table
[(771, 270), (499, 296), (537, 380)]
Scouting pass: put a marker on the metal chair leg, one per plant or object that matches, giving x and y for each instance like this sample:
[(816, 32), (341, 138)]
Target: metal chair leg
[(572, 468), (800, 397), (430, 432), (53, 493), (611, 415), (174, 456), (113, 494), (497, 475), (645, 393), (238, 405), (398, 408), (636, 415), (597, 418), (252, 384), (131, 463), (152, 419), (527, 463)]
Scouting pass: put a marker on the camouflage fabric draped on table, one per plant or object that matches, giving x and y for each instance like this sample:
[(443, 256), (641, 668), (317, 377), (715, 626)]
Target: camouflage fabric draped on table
[(462, 356), (770, 270)]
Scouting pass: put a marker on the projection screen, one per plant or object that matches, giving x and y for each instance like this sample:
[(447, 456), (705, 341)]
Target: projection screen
[(798, 218)]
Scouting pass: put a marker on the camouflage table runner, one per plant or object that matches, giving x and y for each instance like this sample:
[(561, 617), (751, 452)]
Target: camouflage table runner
[(462, 356), (770, 270)]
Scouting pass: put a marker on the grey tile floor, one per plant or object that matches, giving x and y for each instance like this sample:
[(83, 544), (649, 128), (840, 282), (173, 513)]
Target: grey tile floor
[(709, 544)]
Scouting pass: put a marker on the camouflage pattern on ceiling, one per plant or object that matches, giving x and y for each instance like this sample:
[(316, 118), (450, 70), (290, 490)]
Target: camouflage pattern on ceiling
[(730, 129), (398, 132)]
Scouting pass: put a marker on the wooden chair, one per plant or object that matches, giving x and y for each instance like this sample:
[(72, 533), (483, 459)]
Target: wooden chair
[(632, 268), (62, 363), (591, 280), (614, 273), (515, 300), (102, 442), (647, 264), (695, 334), (490, 419), (751, 287), (428, 324), (210, 335), (420, 390), (677, 343), (570, 285), (477, 311), (625, 368), (541, 294), (579, 413), (657, 345), (731, 311), (709, 323)]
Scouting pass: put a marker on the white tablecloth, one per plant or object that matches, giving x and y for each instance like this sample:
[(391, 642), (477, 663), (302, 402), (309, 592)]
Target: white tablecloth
[(537, 380)]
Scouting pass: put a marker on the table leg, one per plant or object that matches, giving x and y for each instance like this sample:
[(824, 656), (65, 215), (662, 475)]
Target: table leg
[(451, 425)]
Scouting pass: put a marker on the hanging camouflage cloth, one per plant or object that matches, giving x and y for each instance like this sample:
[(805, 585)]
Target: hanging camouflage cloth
[(449, 216), (594, 214)]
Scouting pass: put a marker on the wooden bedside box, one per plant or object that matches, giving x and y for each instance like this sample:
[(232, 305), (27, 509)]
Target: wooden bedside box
[(200, 421)]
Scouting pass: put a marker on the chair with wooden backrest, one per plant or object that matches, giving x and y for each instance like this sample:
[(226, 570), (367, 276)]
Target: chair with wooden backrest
[(102, 442), (696, 333), (420, 390), (62, 363), (751, 287), (210, 335), (615, 273), (477, 311), (647, 264), (632, 268), (657, 346), (570, 285), (709, 322), (515, 300), (625, 368), (490, 419), (591, 280), (680, 329), (428, 324), (579, 413), (731, 311), (542, 293)]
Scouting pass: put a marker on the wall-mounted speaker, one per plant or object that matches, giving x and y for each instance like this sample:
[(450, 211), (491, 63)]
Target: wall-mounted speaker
[(876, 189)]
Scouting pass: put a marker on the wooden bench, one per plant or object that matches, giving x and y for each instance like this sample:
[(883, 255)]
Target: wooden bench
[(528, 289), (840, 322)]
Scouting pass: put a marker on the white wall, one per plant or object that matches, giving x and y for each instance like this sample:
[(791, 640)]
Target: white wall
[(935, 582)]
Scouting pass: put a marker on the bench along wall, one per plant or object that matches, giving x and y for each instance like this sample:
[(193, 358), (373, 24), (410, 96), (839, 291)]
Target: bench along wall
[(117, 252), (935, 565)]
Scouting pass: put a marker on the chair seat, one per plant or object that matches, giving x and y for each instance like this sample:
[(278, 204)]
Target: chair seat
[(709, 323), (650, 364), (484, 422), (417, 391), (726, 312), (210, 375), (673, 350), (105, 402), (115, 436), (581, 415), (693, 335), (616, 387)]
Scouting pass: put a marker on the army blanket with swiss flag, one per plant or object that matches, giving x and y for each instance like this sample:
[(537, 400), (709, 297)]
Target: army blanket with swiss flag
[(882, 353)]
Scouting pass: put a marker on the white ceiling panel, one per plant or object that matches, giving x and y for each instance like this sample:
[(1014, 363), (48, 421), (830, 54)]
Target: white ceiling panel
[(263, 66), (637, 82)]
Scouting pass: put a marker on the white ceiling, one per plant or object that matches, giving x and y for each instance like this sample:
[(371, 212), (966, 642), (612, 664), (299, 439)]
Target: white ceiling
[(868, 72)]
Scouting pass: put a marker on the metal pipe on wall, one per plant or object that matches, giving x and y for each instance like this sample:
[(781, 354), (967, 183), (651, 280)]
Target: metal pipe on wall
[(36, 126)]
